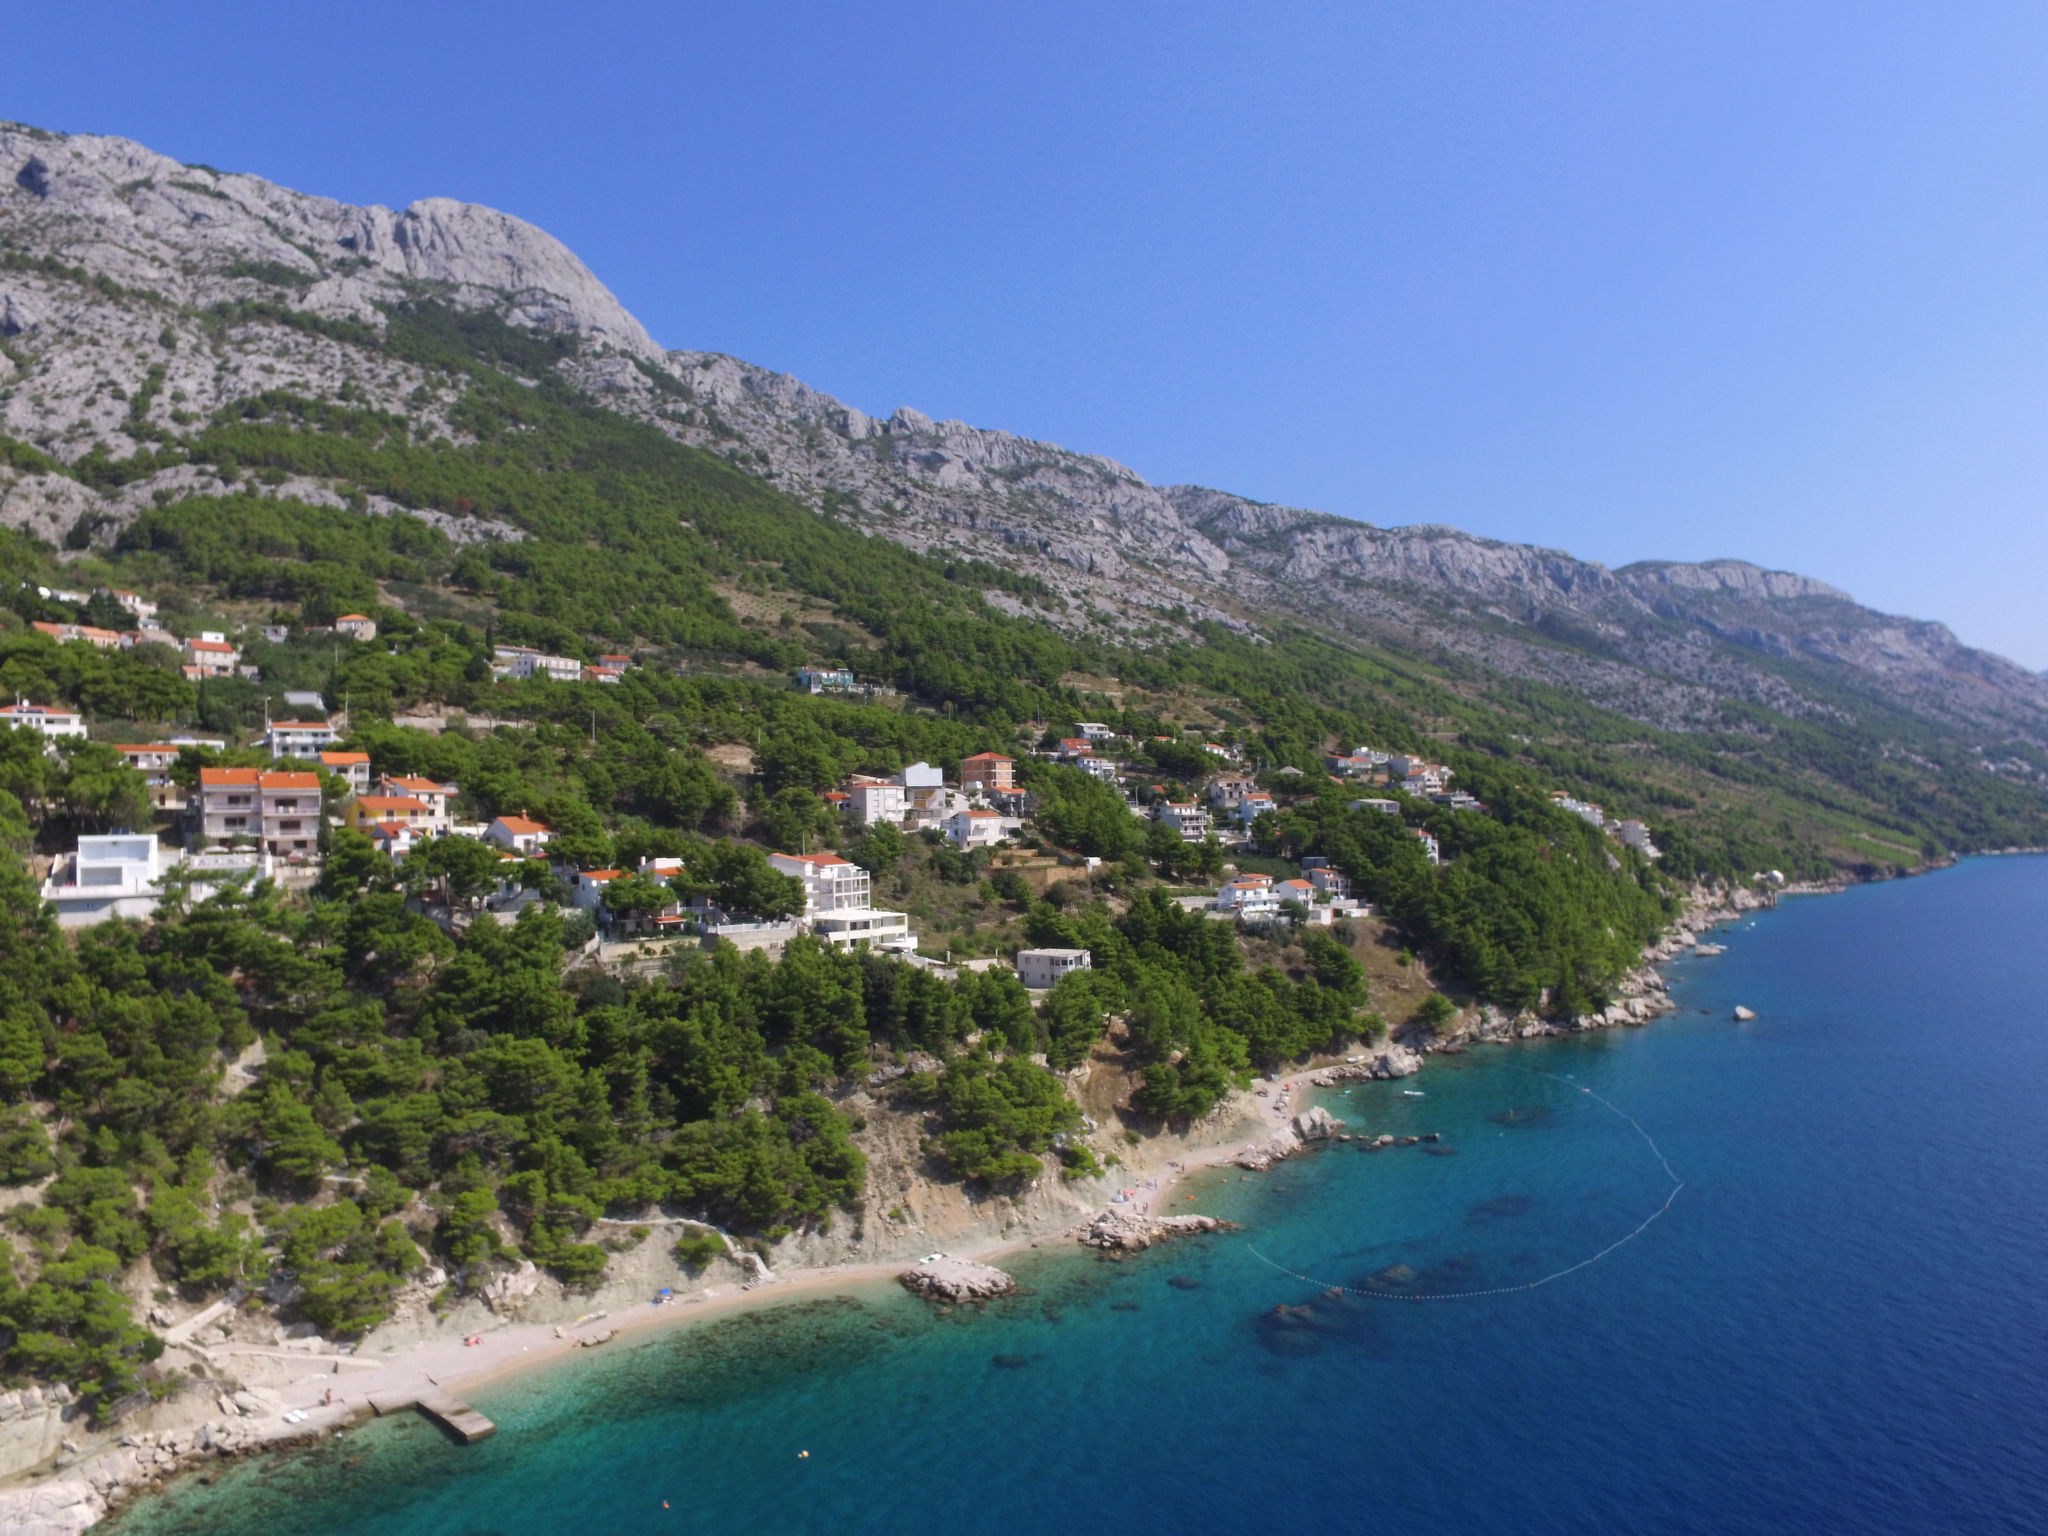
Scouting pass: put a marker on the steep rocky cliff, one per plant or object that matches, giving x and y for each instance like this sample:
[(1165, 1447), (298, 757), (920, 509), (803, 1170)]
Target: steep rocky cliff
[(139, 297)]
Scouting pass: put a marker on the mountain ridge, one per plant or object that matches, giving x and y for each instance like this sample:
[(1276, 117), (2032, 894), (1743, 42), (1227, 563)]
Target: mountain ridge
[(279, 281)]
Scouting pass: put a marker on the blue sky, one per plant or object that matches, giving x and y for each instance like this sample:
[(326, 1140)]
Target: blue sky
[(1637, 281)]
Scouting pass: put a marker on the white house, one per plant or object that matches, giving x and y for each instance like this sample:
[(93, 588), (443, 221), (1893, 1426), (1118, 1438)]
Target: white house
[(107, 877), (1384, 807), (1637, 836), (1430, 850), (300, 738), (1095, 730), (1250, 805), (352, 768), (1301, 892), (143, 609), (1041, 969), (864, 925), (44, 719), (211, 656), (357, 626), (1190, 818), (871, 801), (1226, 789), (519, 834), (1096, 767), (1427, 779), (831, 884), (1585, 810), (1248, 896), (1327, 881), (587, 890), (123, 875), (979, 829), (560, 669)]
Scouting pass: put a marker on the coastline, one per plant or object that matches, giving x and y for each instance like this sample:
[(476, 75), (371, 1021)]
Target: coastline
[(84, 1486)]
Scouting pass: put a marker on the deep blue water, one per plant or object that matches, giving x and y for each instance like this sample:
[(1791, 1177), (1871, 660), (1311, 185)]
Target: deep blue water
[(1839, 1326)]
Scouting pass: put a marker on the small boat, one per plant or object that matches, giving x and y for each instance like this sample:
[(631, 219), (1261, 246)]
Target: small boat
[(1411, 1093)]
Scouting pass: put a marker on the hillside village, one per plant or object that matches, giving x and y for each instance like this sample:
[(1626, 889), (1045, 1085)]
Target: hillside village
[(215, 821), (478, 791)]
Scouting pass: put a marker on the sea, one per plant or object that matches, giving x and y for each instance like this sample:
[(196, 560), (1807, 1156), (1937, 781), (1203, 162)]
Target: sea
[(1774, 1277)]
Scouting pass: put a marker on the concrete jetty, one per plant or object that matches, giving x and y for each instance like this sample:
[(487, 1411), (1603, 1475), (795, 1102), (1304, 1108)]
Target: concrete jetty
[(444, 1408)]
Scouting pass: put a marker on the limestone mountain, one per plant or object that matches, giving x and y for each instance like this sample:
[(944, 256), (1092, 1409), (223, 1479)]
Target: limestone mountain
[(142, 298)]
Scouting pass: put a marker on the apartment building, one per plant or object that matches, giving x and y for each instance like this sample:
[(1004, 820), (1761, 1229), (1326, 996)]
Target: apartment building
[(1190, 818), (988, 773), (434, 795), (831, 884), (279, 811)]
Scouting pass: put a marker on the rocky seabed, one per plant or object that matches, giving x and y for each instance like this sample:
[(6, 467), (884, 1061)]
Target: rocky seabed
[(34, 1422)]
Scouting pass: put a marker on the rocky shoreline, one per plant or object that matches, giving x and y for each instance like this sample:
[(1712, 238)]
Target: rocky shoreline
[(235, 1423)]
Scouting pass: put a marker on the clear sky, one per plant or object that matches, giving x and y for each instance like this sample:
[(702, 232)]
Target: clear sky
[(1634, 280)]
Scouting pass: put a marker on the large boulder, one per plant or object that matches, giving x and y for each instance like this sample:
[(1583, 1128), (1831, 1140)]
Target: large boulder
[(950, 1279), (1317, 1124), (1127, 1232)]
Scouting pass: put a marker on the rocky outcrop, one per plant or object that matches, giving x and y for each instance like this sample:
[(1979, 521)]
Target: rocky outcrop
[(954, 1280), (1395, 1060), (508, 1291), (1316, 1124), (1127, 1232)]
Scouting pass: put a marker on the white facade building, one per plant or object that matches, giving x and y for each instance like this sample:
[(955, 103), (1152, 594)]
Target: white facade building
[(300, 738), (831, 884), (561, 669), (1041, 969), (1248, 896), (521, 835), (1190, 818), (864, 925), (1250, 806), (1637, 836), (123, 875), (979, 829), (44, 719)]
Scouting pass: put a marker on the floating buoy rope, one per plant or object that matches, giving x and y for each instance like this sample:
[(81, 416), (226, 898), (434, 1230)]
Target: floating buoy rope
[(1641, 1227)]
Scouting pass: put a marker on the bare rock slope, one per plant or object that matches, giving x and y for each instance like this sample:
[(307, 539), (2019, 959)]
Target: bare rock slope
[(139, 296)]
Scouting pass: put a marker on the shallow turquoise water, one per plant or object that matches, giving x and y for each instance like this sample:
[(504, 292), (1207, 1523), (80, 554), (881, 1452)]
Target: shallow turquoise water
[(1838, 1326)]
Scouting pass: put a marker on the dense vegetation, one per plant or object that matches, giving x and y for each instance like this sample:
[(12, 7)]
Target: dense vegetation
[(434, 1098)]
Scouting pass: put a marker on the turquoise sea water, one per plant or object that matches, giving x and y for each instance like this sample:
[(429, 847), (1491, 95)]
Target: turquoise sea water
[(1838, 1326)]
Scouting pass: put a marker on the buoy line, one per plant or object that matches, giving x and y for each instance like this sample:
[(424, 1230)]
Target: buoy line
[(1641, 1227)]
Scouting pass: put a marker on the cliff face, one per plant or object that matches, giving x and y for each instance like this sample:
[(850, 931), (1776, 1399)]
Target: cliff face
[(139, 296)]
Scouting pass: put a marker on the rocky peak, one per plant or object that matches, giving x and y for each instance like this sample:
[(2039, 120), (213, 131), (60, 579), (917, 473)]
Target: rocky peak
[(198, 236)]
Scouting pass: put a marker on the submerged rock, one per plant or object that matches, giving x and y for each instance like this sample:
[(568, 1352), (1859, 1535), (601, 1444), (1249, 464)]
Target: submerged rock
[(948, 1279)]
